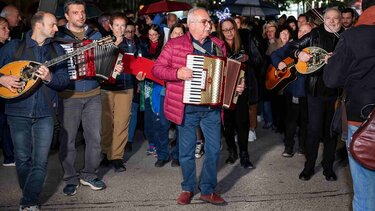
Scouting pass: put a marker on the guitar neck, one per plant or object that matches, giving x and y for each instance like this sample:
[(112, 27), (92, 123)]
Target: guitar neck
[(69, 55)]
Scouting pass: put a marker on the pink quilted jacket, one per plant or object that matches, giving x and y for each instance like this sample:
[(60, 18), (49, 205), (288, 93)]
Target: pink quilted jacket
[(169, 61)]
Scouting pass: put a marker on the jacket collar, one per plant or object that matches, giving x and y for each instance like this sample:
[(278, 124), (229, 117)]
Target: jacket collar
[(32, 43)]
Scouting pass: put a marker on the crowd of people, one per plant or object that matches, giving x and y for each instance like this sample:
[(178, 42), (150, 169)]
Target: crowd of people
[(106, 112)]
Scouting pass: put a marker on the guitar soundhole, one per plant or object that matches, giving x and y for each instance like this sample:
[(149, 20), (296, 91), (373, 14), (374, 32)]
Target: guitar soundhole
[(27, 73)]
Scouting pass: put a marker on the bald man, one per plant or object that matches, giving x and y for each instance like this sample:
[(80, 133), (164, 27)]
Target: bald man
[(17, 28), (31, 118)]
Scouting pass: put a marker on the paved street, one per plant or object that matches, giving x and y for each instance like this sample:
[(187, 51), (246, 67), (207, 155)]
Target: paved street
[(273, 185)]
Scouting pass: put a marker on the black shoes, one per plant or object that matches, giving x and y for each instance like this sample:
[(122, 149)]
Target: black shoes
[(129, 146), (175, 163), (306, 174), (288, 153), (161, 163), (245, 161), (233, 156), (330, 175), (118, 165), (105, 161)]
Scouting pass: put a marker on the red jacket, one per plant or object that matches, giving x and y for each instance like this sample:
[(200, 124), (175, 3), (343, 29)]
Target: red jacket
[(169, 61)]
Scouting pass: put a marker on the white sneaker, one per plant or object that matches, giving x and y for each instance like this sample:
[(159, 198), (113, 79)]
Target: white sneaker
[(29, 208), (252, 136), (9, 164), (199, 151)]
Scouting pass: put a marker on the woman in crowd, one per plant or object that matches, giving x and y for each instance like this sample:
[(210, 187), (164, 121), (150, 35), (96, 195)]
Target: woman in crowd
[(132, 44), (176, 30), (152, 103), (235, 120), (116, 104), (269, 34), (7, 144)]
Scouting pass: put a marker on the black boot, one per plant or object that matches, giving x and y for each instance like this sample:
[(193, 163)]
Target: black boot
[(233, 156), (245, 161)]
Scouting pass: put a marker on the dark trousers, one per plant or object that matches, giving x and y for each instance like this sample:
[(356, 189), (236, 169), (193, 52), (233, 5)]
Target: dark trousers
[(5, 137), (321, 110), (295, 114), (278, 112), (237, 120)]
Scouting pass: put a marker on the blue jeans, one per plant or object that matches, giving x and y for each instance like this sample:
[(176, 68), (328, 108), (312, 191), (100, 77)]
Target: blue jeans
[(161, 133), (363, 181), (149, 124), (89, 111), (133, 121), (267, 112), (210, 122), (32, 138), (175, 150)]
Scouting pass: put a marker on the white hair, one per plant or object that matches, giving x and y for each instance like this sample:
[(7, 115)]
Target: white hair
[(190, 15)]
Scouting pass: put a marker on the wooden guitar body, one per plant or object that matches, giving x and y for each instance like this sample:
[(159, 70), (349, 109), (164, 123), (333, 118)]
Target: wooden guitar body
[(279, 79), (19, 69)]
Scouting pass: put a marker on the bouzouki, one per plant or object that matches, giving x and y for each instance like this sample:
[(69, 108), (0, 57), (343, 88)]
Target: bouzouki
[(26, 70), (315, 62), (279, 79)]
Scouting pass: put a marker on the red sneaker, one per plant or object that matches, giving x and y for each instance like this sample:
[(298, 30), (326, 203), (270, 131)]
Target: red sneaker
[(213, 198), (185, 198)]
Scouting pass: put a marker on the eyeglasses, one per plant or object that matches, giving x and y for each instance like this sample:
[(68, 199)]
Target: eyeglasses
[(228, 30), (204, 21), (129, 32)]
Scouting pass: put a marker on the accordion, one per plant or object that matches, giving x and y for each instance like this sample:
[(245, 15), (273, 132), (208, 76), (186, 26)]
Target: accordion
[(214, 81), (98, 61)]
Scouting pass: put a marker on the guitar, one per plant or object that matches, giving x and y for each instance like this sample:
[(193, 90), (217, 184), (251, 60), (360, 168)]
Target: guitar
[(26, 70), (315, 62), (279, 79)]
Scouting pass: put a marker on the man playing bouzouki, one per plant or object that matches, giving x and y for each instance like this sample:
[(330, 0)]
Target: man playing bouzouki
[(320, 99), (31, 117)]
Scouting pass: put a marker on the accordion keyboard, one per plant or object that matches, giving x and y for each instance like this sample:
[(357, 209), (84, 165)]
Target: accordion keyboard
[(193, 88), (206, 86)]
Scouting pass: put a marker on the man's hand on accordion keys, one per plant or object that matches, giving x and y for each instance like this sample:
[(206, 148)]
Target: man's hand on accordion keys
[(185, 74)]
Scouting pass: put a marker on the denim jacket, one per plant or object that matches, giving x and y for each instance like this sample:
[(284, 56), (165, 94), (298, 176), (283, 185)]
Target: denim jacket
[(35, 105), (85, 84)]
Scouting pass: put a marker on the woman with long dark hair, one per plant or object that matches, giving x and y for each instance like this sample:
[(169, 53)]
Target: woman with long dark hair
[(152, 102), (236, 120)]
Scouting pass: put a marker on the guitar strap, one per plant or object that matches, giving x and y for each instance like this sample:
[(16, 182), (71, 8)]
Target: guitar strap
[(22, 48)]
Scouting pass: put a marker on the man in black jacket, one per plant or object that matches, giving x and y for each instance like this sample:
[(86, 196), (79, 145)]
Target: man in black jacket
[(320, 99), (352, 66)]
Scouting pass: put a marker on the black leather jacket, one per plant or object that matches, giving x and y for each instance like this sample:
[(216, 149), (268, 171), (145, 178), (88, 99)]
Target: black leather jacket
[(318, 37)]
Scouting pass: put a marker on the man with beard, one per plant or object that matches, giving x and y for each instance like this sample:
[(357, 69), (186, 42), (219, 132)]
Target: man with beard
[(347, 18), (81, 102), (320, 99)]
